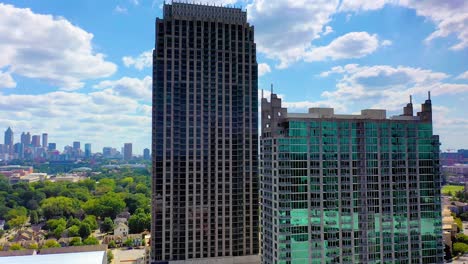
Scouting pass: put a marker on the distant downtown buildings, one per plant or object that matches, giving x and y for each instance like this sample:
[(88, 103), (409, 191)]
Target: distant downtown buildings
[(334, 188), (30, 148), (205, 137)]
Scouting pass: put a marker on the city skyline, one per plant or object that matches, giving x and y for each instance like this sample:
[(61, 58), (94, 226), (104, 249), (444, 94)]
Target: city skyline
[(411, 52), (42, 135)]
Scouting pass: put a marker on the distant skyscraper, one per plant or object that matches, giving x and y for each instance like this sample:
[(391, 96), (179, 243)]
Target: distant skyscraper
[(76, 145), (19, 150), (36, 141), (52, 146), (146, 154), (9, 139), (349, 188), (205, 136), (45, 140), (127, 151), (87, 150), (26, 139)]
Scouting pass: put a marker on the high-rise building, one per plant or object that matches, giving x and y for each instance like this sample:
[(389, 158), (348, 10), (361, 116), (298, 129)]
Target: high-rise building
[(19, 150), (146, 154), (36, 141), (127, 151), (349, 188), (26, 139), (52, 146), (87, 150), (76, 145), (9, 137), (205, 136), (45, 140)]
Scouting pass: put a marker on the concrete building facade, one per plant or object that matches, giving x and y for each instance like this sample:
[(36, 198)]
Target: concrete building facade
[(349, 188), (205, 137)]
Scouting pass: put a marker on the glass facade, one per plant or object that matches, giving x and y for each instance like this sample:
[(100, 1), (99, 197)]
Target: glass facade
[(350, 191)]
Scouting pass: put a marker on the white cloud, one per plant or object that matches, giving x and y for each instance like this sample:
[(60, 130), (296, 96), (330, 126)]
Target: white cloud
[(285, 29), (351, 45), (49, 48), (121, 10), (263, 69), (143, 60), (327, 31), (387, 87), (386, 42), (130, 87), (6, 81), (102, 118), (135, 2), (463, 76), (450, 17)]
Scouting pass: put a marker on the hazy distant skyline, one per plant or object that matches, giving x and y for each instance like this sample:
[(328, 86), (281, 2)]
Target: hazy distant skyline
[(81, 70)]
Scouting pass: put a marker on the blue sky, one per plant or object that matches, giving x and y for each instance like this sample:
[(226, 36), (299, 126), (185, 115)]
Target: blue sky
[(81, 69)]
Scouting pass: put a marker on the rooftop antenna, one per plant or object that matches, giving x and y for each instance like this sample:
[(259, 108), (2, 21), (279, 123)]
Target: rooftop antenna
[(410, 99), (271, 90), (429, 95), (262, 93)]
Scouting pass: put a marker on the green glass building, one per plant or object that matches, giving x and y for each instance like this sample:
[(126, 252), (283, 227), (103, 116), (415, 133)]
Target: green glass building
[(349, 188)]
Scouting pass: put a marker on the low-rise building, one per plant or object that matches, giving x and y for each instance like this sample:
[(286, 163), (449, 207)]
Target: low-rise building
[(121, 229)]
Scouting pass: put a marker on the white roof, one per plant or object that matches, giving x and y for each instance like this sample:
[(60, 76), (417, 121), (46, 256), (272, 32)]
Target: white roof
[(95, 257)]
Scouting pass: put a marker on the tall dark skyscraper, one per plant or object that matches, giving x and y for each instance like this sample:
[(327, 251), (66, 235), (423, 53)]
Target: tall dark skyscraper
[(127, 151), (36, 141), (26, 139), (9, 140), (205, 136), (45, 140), (146, 154), (87, 150)]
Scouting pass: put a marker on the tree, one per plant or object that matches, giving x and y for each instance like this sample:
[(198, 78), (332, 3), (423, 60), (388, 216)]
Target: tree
[(91, 221), (76, 241), (17, 222), (85, 230), (462, 238), (136, 201), (15, 212), (110, 256), (108, 205), (34, 217), (16, 246), (464, 216), (33, 246), (107, 225), (459, 248), (52, 224), (73, 222), (112, 244), (459, 223), (51, 243), (91, 241), (139, 222), (58, 231), (105, 186), (59, 207), (128, 242), (74, 231)]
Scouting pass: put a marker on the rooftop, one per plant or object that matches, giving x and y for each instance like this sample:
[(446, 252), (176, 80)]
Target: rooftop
[(94, 257), (205, 12)]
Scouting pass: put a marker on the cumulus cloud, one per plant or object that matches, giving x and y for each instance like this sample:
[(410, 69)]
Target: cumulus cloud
[(263, 69), (139, 89), (351, 45), (69, 116), (327, 31), (384, 86), (49, 48), (463, 76), (144, 60), (6, 81), (450, 17)]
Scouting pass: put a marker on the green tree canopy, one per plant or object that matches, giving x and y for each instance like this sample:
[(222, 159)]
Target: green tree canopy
[(139, 222), (59, 207), (85, 230), (51, 243), (91, 241), (107, 225), (459, 248), (108, 205)]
